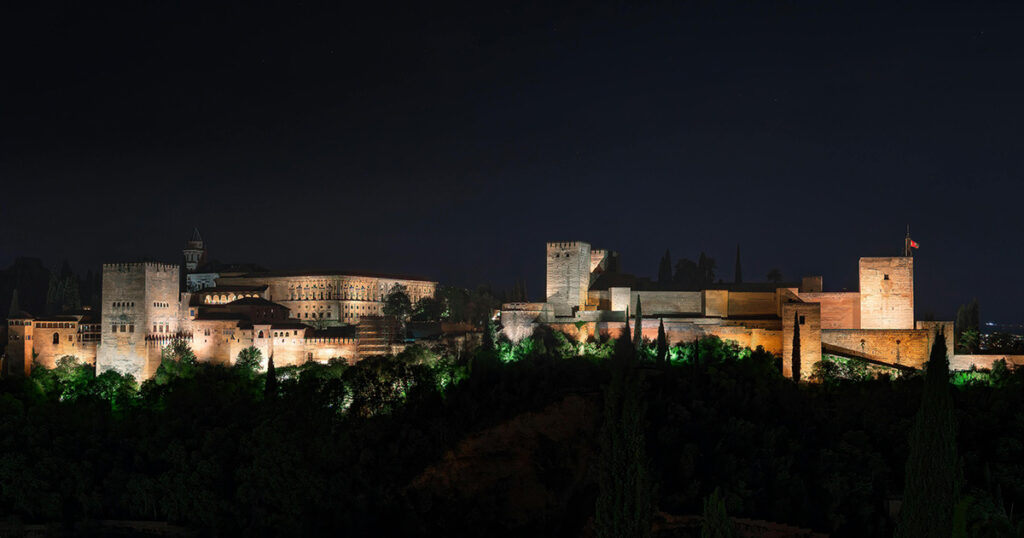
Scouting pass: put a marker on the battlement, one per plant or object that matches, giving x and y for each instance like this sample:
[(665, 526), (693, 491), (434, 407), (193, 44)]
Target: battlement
[(136, 266), (566, 244)]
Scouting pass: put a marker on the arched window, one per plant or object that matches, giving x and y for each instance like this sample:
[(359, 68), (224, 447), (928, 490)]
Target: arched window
[(260, 335), (56, 338)]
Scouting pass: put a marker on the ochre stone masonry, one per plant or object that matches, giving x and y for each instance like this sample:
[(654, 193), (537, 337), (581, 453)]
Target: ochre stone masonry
[(875, 323)]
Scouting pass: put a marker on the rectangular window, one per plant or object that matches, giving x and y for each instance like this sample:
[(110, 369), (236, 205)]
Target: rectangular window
[(885, 277), (131, 328), (122, 328), (802, 320), (113, 328)]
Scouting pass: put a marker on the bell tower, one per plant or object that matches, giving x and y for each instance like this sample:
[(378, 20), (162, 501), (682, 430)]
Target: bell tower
[(194, 252)]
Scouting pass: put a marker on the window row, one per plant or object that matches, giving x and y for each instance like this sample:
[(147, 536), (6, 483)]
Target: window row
[(120, 328), (123, 304)]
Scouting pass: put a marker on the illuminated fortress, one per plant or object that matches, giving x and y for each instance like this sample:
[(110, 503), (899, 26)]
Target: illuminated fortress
[(293, 317), (876, 324)]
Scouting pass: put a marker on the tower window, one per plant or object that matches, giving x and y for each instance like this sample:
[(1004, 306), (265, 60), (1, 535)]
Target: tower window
[(885, 277), (802, 320)]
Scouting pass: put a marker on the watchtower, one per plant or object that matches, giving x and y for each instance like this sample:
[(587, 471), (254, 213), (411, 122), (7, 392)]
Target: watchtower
[(140, 306), (568, 275), (887, 293)]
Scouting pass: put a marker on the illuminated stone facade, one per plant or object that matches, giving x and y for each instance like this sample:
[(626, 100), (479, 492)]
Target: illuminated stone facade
[(875, 324)]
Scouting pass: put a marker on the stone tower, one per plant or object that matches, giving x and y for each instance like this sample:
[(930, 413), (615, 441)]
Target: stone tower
[(887, 293), (140, 310), (195, 251), (568, 276)]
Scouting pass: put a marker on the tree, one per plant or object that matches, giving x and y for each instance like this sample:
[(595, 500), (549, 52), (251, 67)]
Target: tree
[(796, 346), (487, 344), (665, 271), (270, 386), (638, 326), (739, 268), (716, 522), (428, 309), (932, 477), (967, 328), (775, 276), (624, 504), (397, 303), (662, 341), (249, 360), (706, 269), (176, 361)]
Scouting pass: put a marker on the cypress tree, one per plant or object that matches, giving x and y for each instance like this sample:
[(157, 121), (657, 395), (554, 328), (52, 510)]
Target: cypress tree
[(638, 337), (270, 388), (932, 475), (14, 303), (739, 268), (662, 341), (665, 271), (488, 339), (624, 505), (716, 522), (796, 346)]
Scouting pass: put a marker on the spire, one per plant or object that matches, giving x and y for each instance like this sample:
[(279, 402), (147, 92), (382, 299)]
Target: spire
[(739, 268), (195, 236)]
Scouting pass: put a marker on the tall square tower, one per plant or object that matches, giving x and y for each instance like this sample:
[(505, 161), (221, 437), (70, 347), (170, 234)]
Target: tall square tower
[(568, 275), (887, 293), (140, 305)]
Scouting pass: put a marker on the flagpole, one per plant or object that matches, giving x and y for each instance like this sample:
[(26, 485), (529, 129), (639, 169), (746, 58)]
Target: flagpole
[(906, 243)]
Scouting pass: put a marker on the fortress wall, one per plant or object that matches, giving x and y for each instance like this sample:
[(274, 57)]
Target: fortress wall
[(947, 330), (966, 362), (519, 320), (909, 347), (221, 346), (288, 347), (745, 303), (666, 302), (839, 310), (683, 332), (325, 349), (887, 293), (808, 315), (599, 300), (716, 303), (621, 299)]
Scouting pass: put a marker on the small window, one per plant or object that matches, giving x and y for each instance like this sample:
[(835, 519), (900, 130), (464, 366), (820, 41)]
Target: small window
[(123, 328), (131, 328), (802, 320), (113, 328), (885, 277), (56, 338)]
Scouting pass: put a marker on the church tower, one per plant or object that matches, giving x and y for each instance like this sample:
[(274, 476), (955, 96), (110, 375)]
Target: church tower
[(195, 252)]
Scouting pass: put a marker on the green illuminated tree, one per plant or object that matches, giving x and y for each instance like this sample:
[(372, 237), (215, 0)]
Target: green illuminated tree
[(932, 475), (796, 346), (248, 360), (176, 361), (715, 522)]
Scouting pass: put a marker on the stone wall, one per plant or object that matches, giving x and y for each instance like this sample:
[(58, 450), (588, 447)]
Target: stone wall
[(751, 304), (655, 303), (568, 275), (839, 310), (966, 362), (907, 347), (887, 293)]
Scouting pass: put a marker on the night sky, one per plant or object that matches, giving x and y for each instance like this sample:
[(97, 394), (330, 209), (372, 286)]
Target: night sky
[(453, 142)]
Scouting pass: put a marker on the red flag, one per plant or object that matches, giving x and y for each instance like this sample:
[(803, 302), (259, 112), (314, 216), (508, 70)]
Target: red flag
[(913, 244)]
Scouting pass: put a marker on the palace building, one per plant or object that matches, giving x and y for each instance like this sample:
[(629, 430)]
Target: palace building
[(293, 317)]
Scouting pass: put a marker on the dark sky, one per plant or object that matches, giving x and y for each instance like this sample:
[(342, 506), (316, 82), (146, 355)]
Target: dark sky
[(453, 142)]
